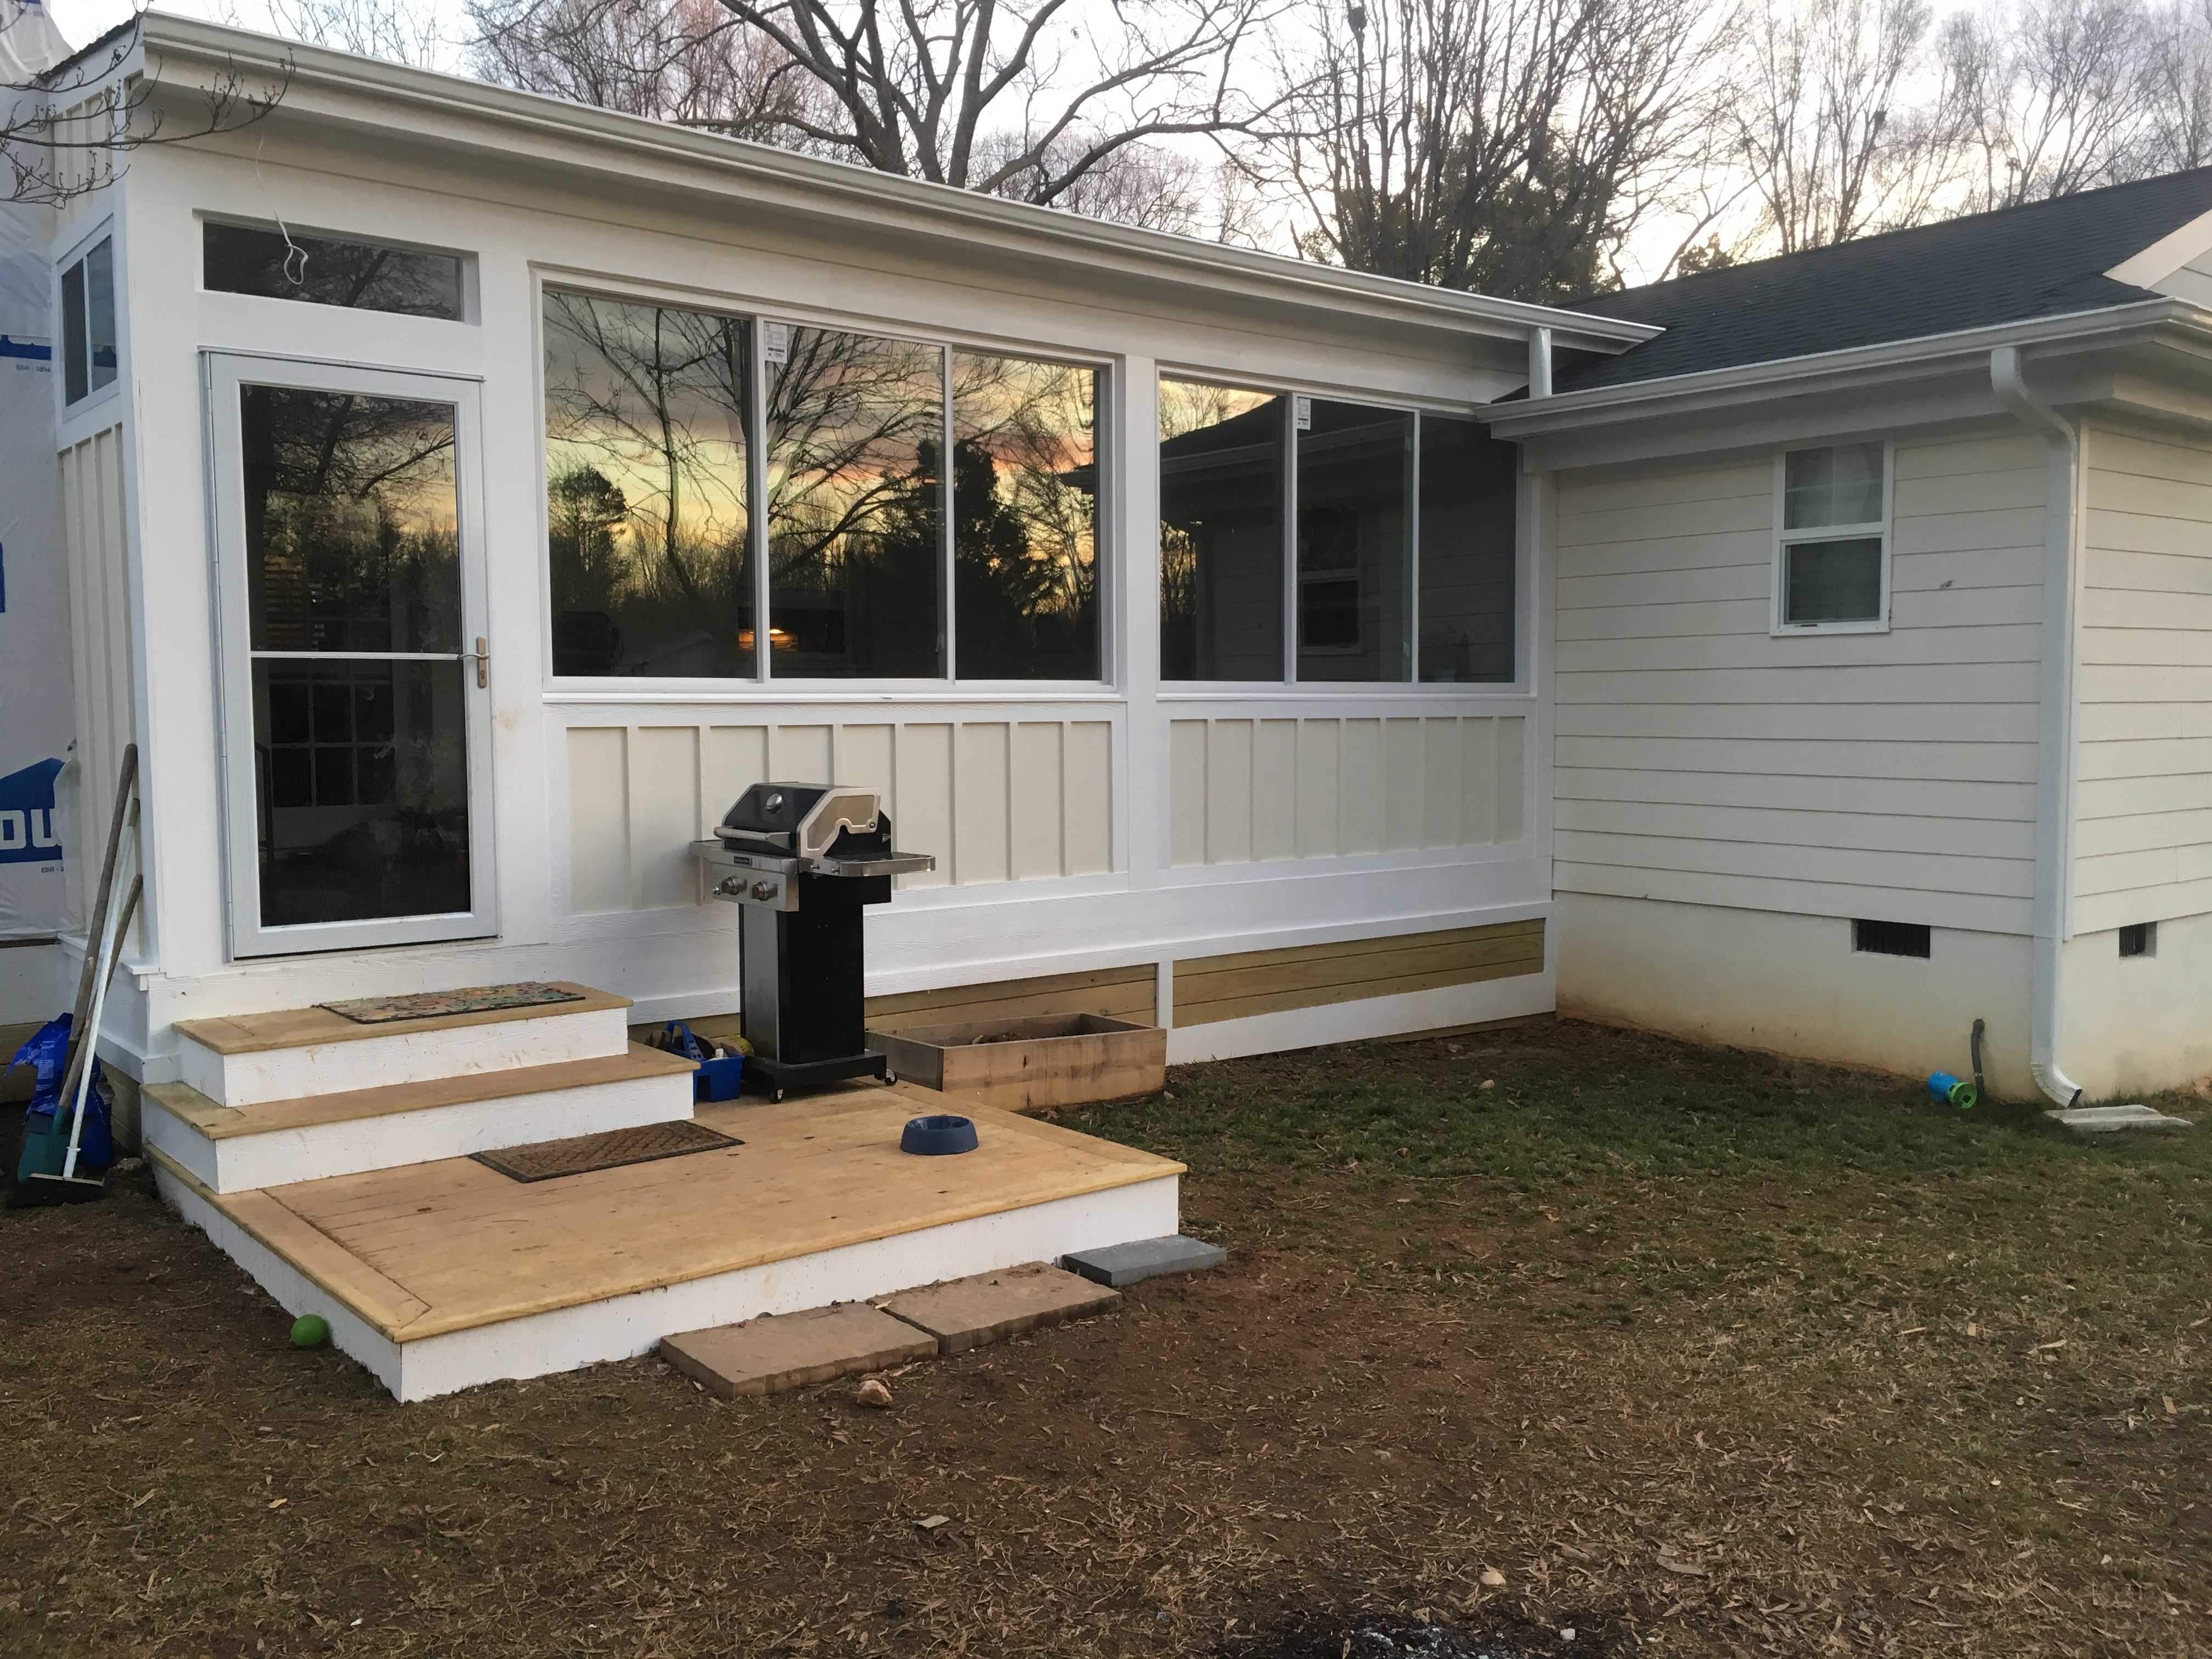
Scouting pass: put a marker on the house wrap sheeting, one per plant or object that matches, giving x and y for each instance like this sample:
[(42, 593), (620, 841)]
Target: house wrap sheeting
[(34, 694)]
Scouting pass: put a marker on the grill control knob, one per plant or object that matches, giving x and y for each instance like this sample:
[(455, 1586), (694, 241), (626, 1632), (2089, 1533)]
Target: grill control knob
[(763, 891)]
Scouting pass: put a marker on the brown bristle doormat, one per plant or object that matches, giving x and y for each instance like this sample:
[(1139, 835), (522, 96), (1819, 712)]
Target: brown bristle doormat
[(470, 999), (581, 1154)]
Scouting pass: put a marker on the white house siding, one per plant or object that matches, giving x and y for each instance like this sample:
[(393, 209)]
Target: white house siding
[(94, 546), (1246, 791), (1049, 809), (1703, 764), (992, 800), (2142, 830), (2143, 780)]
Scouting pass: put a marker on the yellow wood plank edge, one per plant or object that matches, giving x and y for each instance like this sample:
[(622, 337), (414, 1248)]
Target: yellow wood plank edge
[(386, 1307), (298, 1028)]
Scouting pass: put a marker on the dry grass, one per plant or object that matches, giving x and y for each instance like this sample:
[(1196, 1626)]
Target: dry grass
[(1703, 1364)]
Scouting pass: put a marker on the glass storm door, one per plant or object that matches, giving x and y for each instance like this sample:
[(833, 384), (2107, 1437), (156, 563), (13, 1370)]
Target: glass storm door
[(356, 716)]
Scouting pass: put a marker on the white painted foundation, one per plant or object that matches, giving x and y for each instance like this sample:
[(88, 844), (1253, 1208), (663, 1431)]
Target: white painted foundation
[(1792, 985), (2137, 1025), (624, 1326), (371, 1062), (1369, 1016), (237, 1164)]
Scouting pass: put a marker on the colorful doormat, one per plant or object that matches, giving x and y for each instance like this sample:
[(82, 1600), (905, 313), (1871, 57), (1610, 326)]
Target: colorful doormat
[(472, 1000), (579, 1154)]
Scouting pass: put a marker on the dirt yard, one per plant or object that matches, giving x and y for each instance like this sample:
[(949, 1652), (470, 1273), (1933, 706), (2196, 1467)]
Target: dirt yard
[(1701, 1352)]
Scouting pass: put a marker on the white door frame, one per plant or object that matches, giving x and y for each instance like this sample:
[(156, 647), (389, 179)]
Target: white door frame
[(224, 373)]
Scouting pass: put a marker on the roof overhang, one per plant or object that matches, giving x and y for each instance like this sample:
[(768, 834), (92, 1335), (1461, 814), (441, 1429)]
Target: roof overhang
[(2154, 353), (515, 129)]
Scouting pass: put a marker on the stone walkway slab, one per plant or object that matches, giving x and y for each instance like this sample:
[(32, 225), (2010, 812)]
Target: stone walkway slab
[(1124, 1264), (789, 1351), (967, 1313)]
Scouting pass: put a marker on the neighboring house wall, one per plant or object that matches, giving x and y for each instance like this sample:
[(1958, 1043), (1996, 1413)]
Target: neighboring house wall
[(1727, 801), (2142, 830)]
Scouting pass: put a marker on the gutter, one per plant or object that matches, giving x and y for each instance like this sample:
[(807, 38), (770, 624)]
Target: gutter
[(1824, 371), (2054, 784)]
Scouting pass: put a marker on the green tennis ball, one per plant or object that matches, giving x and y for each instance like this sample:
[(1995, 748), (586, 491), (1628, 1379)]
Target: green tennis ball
[(310, 1331)]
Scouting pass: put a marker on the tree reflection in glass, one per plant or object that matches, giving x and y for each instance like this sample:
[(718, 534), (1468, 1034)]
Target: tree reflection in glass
[(1024, 518), (1221, 533), (648, 534), (856, 506), (353, 580)]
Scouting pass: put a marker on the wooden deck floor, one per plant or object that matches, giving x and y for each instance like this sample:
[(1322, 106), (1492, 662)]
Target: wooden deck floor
[(437, 1247)]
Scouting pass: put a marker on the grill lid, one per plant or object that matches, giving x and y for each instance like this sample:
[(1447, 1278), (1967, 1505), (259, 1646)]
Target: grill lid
[(807, 821)]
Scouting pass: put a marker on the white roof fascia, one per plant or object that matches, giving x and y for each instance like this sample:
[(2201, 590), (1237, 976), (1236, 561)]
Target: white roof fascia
[(2166, 255), (1891, 360), (861, 194)]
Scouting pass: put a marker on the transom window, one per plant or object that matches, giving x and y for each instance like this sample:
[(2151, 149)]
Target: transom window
[(88, 348), (1831, 561), (277, 264), (665, 427), (1308, 539)]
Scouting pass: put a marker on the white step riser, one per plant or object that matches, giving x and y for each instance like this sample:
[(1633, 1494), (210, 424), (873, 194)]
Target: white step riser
[(239, 1164), (620, 1326), (328, 1068)]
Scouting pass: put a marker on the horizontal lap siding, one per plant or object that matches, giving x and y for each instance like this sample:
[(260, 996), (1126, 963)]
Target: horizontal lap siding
[(1699, 759), (1236, 986), (2143, 779)]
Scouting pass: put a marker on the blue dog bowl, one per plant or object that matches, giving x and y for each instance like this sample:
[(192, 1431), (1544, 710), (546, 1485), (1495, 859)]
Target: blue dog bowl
[(938, 1135)]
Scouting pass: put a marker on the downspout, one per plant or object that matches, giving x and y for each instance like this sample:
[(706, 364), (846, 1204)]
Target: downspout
[(1540, 362), (2054, 788)]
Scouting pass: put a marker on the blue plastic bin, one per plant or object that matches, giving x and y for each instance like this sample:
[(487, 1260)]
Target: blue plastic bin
[(717, 1079)]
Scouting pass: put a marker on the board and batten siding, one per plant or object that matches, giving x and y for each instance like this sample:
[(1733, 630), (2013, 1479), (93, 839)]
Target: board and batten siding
[(96, 546), (1700, 759), (992, 800), (1246, 791), (2142, 835)]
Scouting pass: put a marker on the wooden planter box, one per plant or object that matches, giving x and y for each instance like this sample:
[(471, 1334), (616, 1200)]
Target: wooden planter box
[(1047, 1059)]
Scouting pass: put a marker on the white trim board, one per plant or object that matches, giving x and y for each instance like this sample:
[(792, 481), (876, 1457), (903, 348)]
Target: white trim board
[(1369, 1016), (624, 1326)]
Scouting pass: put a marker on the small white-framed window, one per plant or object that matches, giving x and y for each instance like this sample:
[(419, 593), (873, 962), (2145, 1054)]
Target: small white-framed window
[(1832, 550), (88, 349)]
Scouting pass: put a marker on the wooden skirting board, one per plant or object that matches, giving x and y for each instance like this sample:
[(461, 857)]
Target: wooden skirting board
[(1239, 986), (1126, 994)]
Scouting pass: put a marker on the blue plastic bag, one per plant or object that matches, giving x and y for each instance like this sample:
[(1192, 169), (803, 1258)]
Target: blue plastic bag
[(46, 1053), (47, 1123)]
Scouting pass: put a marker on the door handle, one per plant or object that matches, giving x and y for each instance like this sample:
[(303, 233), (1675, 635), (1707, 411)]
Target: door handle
[(484, 662)]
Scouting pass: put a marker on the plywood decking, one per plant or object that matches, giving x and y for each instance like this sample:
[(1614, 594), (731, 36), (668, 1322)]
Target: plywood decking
[(450, 1246), (219, 1122), (1210, 988), (302, 1028)]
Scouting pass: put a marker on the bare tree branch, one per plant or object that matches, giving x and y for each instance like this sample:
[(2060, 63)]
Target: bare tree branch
[(63, 133)]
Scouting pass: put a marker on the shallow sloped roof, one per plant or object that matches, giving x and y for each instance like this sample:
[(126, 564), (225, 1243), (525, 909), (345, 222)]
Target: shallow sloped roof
[(2043, 259)]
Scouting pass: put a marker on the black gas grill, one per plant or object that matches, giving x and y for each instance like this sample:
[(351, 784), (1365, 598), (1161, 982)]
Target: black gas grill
[(800, 860)]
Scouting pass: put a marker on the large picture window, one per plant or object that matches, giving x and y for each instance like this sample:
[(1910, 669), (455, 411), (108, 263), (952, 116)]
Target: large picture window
[(648, 535), (1392, 533), (868, 561), (1024, 518)]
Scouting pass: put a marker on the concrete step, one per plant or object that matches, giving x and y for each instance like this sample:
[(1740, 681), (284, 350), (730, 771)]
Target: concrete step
[(230, 1149), (250, 1060)]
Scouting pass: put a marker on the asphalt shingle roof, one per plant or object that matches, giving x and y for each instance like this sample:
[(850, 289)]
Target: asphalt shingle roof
[(2043, 259)]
